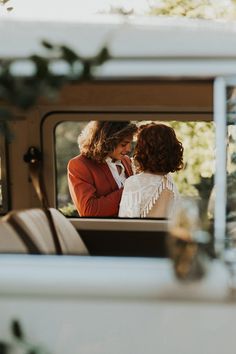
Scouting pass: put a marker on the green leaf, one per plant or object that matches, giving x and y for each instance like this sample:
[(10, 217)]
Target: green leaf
[(86, 70), (69, 55), (103, 56), (41, 65), (3, 348), (16, 330), (47, 45)]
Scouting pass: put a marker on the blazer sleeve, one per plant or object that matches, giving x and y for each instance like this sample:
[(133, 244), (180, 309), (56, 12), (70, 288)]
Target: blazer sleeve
[(83, 192)]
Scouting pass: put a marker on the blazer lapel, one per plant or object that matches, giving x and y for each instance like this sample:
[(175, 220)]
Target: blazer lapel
[(109, 177)]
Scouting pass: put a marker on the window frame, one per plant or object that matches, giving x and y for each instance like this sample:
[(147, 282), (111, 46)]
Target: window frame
[(48, 126), (4, 172)]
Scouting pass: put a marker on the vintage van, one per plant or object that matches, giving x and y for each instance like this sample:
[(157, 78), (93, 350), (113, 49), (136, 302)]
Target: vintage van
[(114, 290)]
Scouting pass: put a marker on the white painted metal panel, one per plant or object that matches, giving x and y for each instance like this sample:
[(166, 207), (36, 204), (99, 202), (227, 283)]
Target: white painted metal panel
[(112, 306)]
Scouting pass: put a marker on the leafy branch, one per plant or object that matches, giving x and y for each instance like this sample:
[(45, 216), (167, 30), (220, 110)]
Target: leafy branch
[(19, 342), (23, 81)]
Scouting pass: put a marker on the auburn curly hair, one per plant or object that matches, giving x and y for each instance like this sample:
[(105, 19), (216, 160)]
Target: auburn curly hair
[(158, 150), (99, 138)]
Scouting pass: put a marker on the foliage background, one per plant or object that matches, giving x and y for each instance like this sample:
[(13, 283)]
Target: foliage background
[(202, 9)]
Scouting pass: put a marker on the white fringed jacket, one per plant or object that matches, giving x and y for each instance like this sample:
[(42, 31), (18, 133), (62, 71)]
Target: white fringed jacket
[(142, 192)]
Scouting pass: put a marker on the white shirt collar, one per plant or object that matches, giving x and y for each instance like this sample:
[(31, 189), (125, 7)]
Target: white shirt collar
[(109, 160), (119, 178)]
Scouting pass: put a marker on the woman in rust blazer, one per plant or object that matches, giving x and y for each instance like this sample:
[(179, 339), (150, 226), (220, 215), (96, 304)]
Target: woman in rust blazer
[(94, 184)]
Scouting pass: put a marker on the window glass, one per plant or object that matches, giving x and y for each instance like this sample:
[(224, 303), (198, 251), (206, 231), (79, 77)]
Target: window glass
[(195, 180)]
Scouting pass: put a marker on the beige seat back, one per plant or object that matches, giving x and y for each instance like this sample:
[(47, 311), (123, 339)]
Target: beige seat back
[(10, 242), (71, 242), (35, 224)]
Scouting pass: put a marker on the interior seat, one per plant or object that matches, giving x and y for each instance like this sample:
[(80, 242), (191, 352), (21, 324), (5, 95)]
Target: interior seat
[(34, 224), (10, 242)]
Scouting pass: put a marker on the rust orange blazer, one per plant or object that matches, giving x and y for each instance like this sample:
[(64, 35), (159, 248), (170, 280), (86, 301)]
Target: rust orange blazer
[(93, 188)]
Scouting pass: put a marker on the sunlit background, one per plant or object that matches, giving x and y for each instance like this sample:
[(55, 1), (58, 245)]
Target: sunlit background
[(73, 10)]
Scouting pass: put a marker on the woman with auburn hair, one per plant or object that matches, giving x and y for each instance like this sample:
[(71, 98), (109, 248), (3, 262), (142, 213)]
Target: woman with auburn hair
[(96, 176), (152, 192)]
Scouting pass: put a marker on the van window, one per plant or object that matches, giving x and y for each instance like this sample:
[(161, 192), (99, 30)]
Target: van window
[(195, 180)]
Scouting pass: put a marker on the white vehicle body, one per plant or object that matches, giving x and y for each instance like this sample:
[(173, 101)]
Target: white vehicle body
[(110, 305)]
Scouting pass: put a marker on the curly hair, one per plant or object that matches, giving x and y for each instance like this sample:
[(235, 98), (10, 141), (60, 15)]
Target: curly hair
[(99, 138), (158, 150)]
